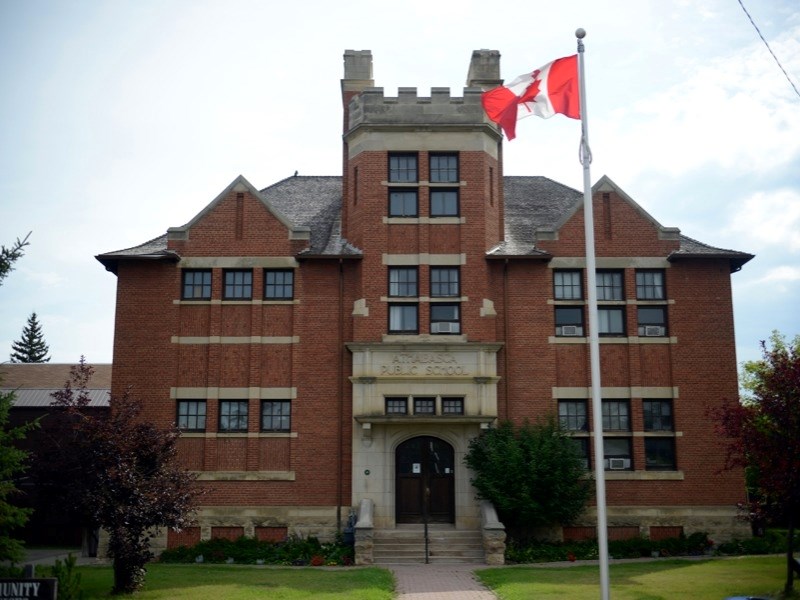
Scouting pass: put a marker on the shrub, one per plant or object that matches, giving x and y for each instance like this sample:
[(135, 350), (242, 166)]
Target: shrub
[(296, 551)]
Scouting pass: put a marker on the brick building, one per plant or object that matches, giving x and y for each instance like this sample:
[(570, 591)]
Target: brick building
[(331, 340)]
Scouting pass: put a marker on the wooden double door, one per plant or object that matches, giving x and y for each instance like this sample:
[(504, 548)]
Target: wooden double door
[(425, 481)]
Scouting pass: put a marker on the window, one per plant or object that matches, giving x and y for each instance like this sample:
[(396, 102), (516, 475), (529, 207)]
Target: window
[(232, 416), (192, 415), (659, 454), (611, 320), (657, 415), (652, 320), (444, 282), (567, 285), (569, 320), (617, 454), (425, 405), (397, 405), (196, 284), (444, 203), (278, 284), (445, 318), (452, 406), (650, 285), (403, 203), (616, 416), (609, 285), (403, 168), (403, 318), (444, 168), (572, 415), (582, 448), (238, 285), (276, 415), (403, 282)]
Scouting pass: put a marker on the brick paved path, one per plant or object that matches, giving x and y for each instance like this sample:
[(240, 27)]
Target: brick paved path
[(439, 582)]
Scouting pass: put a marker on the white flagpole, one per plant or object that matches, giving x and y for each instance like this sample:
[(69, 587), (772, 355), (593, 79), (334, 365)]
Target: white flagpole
[(594, 338)]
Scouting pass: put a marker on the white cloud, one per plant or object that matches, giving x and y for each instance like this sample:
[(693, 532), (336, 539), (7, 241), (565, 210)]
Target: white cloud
[(783, 274), (737, 111), (770, 219)]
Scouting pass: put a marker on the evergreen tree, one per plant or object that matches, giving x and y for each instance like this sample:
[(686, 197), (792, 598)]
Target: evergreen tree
[(32, 347), (8, 256), (12, 460)]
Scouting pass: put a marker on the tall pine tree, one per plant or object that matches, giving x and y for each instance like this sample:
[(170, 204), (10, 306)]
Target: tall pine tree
[(32, 347), (12, 460)]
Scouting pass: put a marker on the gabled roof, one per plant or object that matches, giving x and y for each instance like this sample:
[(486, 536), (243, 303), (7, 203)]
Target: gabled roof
[(307, 205), (532, 204), (34, 383), (535, 208)]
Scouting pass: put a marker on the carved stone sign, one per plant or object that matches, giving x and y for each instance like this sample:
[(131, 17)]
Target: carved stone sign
[(423, 364)]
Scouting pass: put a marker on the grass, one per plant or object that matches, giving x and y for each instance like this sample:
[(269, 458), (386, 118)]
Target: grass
[(712, 579), (232, 582)]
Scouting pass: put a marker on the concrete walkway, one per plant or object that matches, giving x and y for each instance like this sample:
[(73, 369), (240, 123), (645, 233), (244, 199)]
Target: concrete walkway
[(439, 582)]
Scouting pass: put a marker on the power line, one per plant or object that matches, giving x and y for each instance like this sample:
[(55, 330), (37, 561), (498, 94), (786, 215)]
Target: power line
[(791, 83)]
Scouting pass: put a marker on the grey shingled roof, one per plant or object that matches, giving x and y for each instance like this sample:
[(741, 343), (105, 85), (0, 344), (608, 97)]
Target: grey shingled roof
[(316, 203), (691, 248), (532, 204)]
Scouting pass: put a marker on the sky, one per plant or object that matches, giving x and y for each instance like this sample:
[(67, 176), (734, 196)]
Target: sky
[(119, 119)]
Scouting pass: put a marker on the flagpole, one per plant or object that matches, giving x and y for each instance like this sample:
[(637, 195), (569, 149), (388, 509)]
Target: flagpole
[(594, 338)]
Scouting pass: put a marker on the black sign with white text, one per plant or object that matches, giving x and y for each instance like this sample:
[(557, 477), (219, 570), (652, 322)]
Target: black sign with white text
[(28, 589)]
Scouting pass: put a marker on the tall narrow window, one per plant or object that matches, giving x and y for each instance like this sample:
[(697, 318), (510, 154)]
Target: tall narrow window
[(278, 284), (238, 285), (403, 168), (196, 284)]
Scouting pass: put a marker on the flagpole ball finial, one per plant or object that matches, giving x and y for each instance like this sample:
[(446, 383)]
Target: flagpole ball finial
[(580, 33)]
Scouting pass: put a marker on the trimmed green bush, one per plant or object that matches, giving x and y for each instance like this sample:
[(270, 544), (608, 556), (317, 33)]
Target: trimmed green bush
[(296, 551)]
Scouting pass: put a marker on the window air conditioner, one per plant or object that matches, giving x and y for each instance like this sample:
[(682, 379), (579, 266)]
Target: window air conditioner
[(653, 330), (569, 330), (445, 327), (617, 464)]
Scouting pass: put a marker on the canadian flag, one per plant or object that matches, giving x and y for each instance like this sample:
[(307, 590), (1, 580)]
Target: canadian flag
[(546, 91)]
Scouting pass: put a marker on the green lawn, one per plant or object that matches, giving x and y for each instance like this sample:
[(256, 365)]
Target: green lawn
[(712, 579), (228, 582)]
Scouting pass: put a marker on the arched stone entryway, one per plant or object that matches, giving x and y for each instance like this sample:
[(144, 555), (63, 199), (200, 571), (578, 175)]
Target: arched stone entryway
[(425, 481)]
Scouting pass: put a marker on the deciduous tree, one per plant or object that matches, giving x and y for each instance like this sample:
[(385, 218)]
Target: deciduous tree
[(532, 474), (125, 476), (31, 348), (763, 433)]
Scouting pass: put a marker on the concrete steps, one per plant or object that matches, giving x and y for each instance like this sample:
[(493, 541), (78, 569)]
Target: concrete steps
[(446, 545)]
